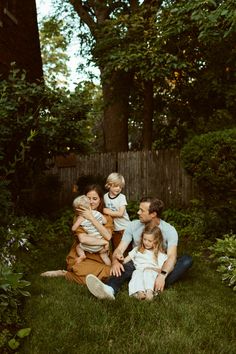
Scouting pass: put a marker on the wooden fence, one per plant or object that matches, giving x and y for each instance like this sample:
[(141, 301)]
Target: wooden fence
[(154, 173)]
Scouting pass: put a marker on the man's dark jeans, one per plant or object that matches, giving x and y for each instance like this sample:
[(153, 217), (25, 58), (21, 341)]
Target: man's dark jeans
[(182, 265)]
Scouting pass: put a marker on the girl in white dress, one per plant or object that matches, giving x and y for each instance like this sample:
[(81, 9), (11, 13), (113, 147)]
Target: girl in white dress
[(148, 259)]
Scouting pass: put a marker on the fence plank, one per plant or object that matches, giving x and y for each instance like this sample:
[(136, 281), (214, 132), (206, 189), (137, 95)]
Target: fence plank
[(153, 173)]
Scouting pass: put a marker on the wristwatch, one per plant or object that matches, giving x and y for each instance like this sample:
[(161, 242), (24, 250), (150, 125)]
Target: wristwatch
[(163, 272)]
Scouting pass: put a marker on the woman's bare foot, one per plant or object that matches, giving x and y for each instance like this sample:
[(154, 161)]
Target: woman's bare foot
[(53, 273)]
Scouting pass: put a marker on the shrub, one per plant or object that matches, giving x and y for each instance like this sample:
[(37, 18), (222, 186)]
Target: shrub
[(23, 237), (211, 160), (189, 222), (43, 198), (23, 240), (36, 124), (5, 201), (224, 253), (132, 209), (12, 288), (12, 293)]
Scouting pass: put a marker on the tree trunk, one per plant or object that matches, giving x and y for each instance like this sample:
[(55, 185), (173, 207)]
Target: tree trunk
[(116, 92), (147, 115)]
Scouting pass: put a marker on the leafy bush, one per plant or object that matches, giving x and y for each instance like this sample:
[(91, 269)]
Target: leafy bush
[(43, 198), (211, 160), (188, 222), (36, 124), (20, 103), (23, 240), (12, 288), (197, 222), (5, 201), (224, 253), (23, 237), (12, 292), (132, 209)]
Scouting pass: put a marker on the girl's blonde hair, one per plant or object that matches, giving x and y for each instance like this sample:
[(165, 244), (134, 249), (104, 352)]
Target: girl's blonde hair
[(115, 178), (158, 240), (81, 200)]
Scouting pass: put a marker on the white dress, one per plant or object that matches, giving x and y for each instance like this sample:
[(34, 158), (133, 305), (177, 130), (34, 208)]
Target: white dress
[(145, 273)]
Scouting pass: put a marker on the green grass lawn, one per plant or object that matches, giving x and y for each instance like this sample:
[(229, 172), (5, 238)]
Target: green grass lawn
[(196, 315)]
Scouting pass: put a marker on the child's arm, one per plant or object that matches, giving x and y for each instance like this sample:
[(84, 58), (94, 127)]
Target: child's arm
[(104, 220), (115, 214), (130, 256), (127, 259), (87, 214), (77, 223)]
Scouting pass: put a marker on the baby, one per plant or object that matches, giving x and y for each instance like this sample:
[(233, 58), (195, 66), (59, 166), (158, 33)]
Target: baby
[(102, 245)]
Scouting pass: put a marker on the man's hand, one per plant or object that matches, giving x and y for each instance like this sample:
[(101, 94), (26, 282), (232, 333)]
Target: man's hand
[(116, 268), (159, 283), (119, 255)]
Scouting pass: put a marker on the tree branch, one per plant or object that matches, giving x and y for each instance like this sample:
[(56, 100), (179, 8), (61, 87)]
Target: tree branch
[(134, 5), (83, 11), (152, 2)]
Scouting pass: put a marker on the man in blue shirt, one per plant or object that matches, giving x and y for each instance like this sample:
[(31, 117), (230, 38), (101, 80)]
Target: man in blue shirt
[(149, 213)]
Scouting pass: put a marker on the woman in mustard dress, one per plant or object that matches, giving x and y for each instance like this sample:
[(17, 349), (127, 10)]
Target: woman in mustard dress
[(93, 264)]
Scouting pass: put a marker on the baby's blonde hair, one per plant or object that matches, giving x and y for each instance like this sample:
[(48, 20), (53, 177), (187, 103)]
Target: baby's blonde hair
[(115, 178), (81, 200)]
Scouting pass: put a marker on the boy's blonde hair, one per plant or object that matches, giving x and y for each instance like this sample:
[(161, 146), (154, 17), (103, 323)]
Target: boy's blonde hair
[(115, 178), (81, 200)]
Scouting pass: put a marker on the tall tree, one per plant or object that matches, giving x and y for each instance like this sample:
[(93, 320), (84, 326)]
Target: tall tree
[(116, 86), (179, 53), (102, 18), (54, 44)]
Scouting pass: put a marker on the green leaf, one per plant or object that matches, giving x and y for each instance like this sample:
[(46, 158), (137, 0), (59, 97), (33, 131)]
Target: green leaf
[(24, 293), (24, 332), (13, 344)]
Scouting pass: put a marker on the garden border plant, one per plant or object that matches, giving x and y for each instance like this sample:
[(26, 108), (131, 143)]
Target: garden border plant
[(224, 254)]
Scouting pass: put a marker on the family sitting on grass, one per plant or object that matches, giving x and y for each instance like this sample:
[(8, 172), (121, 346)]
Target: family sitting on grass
[(150, 267)]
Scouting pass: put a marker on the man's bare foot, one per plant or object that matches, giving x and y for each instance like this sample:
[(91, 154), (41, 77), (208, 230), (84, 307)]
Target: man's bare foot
[(54, 273)]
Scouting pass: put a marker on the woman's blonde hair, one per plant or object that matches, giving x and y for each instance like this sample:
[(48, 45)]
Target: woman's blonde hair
[(158, 239), (115, 178)]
